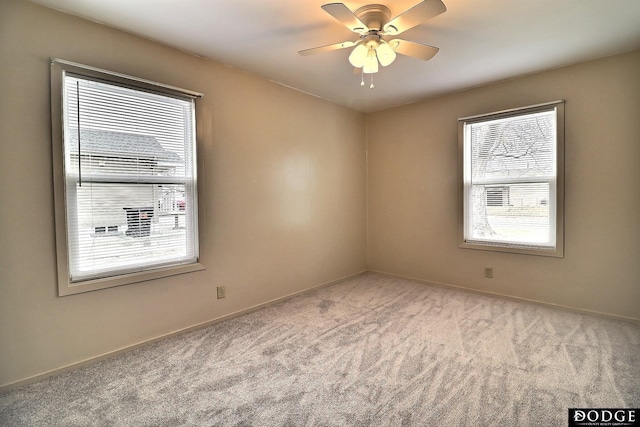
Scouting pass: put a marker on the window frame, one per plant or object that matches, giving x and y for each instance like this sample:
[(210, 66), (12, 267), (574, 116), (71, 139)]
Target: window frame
[(59, 68), (558, 216)]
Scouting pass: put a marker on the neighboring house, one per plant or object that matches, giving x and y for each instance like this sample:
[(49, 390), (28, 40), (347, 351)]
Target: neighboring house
[(531, 195), (103, 206)]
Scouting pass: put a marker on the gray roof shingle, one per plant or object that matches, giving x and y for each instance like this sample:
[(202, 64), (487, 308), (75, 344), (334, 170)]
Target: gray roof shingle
[(105, 143)]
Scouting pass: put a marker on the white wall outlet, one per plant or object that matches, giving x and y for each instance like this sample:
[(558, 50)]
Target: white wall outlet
[(488, 272), (222, 292)]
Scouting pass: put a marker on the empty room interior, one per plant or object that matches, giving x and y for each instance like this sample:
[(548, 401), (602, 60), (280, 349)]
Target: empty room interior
[(318, 246)]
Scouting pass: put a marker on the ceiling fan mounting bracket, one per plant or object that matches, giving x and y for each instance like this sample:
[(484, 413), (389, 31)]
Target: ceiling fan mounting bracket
[(374, 16)]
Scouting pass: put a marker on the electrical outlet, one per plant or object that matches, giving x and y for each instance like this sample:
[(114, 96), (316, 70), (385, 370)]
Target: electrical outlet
[(222, 292), (488, 272)]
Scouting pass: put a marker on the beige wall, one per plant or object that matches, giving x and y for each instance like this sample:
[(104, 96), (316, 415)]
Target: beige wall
[(413, 188), (282, 190)]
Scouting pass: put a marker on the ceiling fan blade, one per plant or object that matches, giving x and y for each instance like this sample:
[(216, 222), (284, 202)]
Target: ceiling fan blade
[(413, 49), (343, 14), (328, 48), (418, 14)]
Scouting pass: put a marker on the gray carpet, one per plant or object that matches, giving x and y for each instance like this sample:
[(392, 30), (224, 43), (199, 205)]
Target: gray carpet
[(372, 351)]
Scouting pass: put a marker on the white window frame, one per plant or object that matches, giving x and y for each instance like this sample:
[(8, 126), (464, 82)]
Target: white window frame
[(556, 184), (63, 201)]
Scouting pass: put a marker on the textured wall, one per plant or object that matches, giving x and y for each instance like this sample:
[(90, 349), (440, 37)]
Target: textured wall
[(413, 190), (282, 189)]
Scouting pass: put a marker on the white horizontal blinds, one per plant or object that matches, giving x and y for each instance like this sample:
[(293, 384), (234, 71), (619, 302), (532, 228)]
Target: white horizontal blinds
[(510, 180), (130, 179)]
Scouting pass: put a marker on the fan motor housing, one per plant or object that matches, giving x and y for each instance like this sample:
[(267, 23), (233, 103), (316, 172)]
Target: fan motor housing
[(374, 16)]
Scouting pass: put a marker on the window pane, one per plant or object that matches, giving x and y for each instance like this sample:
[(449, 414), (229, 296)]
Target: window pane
[(514, 147), (513, 213), (129, 227), (126, 131)]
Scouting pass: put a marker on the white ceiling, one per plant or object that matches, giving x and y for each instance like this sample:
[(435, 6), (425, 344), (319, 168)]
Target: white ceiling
[(480, 41)]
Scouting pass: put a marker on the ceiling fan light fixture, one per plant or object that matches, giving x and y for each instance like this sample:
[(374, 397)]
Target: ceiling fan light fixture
[(358, 56), (371, 62), (386, 55)]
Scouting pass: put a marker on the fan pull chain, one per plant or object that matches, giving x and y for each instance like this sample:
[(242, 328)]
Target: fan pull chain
[(362, 82), (371, 87)]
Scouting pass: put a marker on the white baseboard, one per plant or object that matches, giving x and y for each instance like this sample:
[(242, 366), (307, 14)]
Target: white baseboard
[(510, 297), (92, 360)]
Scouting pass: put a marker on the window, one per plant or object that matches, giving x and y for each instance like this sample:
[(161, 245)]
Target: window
[(125, 180), (512, 170)]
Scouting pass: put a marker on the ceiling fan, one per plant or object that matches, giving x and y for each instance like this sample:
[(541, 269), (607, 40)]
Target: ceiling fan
[(372, 23)]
